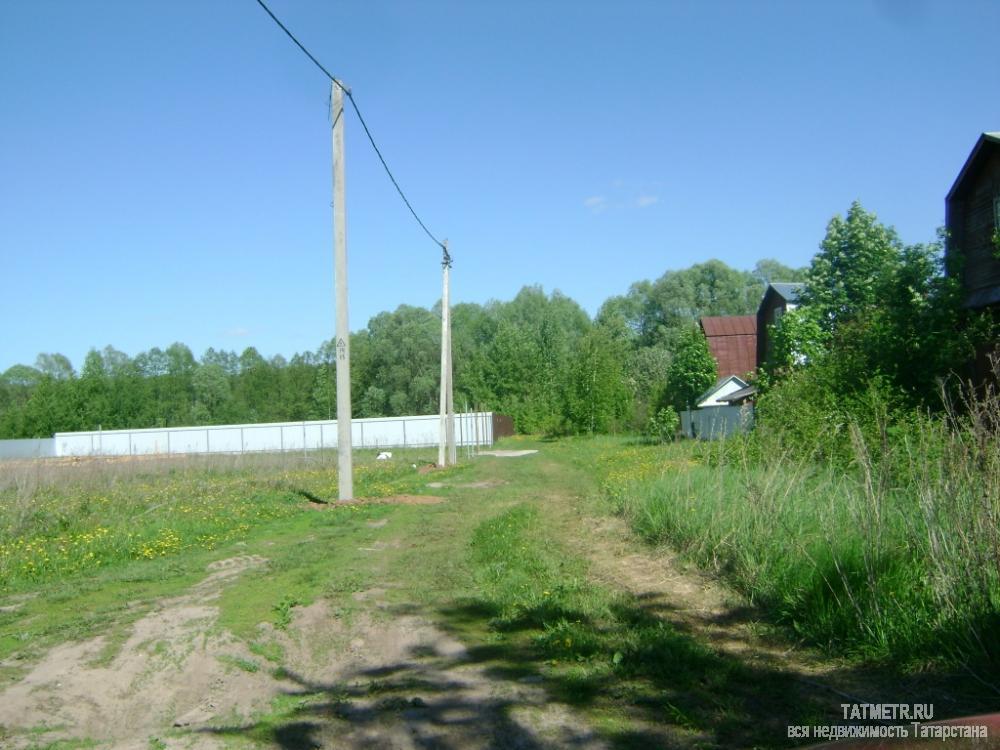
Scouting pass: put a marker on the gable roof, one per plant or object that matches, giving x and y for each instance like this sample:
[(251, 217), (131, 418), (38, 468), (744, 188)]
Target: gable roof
[(719, 385), (732, 340), (729, 325), (787, 290), (989, 138), (743, 394)]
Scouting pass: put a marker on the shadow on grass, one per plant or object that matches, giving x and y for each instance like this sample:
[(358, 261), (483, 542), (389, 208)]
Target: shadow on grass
[(669, 676), (648, 681), (666, 688), (551, 659), (658, 688), (311, 497), (412, 703)]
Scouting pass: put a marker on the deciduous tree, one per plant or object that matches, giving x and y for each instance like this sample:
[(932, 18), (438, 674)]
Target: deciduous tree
[(692, 369)]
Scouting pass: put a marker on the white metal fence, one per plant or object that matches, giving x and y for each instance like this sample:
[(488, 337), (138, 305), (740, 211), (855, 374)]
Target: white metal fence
[(474, 428), (43, 448)]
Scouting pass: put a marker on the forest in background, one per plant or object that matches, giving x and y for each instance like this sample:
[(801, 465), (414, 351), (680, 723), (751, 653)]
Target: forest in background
[(875, 314), (539, 358)]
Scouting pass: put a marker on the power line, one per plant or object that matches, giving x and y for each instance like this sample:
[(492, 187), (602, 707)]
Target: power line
[(301, 47), (399, 190), (364, 125)]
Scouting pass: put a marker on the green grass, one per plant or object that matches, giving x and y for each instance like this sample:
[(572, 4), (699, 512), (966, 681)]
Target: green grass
[(36, 741), (57, 524), (492, 567), (639, 678), (246, 665), (65, 745), (309, 557), (890, 560), (268, 650), (283, 723), (583, 631)]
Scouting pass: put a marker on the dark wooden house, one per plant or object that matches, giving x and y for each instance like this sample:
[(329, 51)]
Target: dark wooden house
[(779, 298), (972, 216)]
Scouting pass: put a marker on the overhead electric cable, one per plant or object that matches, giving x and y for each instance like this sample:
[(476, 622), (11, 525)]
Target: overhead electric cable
[(364, 125)]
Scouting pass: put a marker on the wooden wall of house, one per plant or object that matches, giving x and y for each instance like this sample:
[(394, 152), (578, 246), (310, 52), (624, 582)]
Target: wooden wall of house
[(765, 318), (973, 219)]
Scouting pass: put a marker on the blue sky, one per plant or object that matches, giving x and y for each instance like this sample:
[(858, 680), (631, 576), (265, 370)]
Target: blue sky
[(166, 166)]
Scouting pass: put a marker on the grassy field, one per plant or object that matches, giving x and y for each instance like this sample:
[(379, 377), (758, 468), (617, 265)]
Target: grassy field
[(84, 545), (60, 520), (504, 564)]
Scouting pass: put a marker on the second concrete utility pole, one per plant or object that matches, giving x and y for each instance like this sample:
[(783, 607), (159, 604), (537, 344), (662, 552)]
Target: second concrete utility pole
[(447, 452)]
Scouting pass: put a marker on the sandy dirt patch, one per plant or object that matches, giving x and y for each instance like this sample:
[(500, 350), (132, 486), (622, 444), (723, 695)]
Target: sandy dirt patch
[(507, 454), (405, 500), (385, 679), (380, 676), (174, 668)]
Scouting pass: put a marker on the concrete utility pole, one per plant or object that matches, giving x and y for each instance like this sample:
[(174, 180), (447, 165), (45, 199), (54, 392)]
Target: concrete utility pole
[(452, 450), (345, 475), (446, 442)]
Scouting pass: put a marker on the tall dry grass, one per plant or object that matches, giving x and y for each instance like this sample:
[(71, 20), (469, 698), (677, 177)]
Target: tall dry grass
[(895, 555)]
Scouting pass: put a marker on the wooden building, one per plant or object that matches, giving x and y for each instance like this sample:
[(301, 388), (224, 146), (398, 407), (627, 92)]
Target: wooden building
[(972, 217), (732, 340), (779, 298)]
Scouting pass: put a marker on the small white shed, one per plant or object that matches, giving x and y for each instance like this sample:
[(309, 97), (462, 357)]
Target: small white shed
[(725, 386)]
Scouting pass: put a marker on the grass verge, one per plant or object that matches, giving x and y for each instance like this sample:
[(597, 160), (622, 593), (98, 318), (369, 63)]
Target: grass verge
[(894, 559)]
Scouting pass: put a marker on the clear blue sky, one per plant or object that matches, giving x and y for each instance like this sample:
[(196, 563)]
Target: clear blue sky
[(166, 165)]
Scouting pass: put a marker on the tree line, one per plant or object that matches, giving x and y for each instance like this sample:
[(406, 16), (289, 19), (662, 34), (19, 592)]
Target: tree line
[(538, 357), (876, 315)]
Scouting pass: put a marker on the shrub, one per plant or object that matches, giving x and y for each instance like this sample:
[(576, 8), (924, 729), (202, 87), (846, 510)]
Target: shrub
[(662, 426)]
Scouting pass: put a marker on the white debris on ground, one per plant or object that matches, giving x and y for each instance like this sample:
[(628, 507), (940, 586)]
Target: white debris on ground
[(507, 454), (384, 456)]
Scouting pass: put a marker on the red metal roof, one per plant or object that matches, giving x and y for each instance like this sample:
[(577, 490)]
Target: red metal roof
[(733, 342), (730, 325)]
